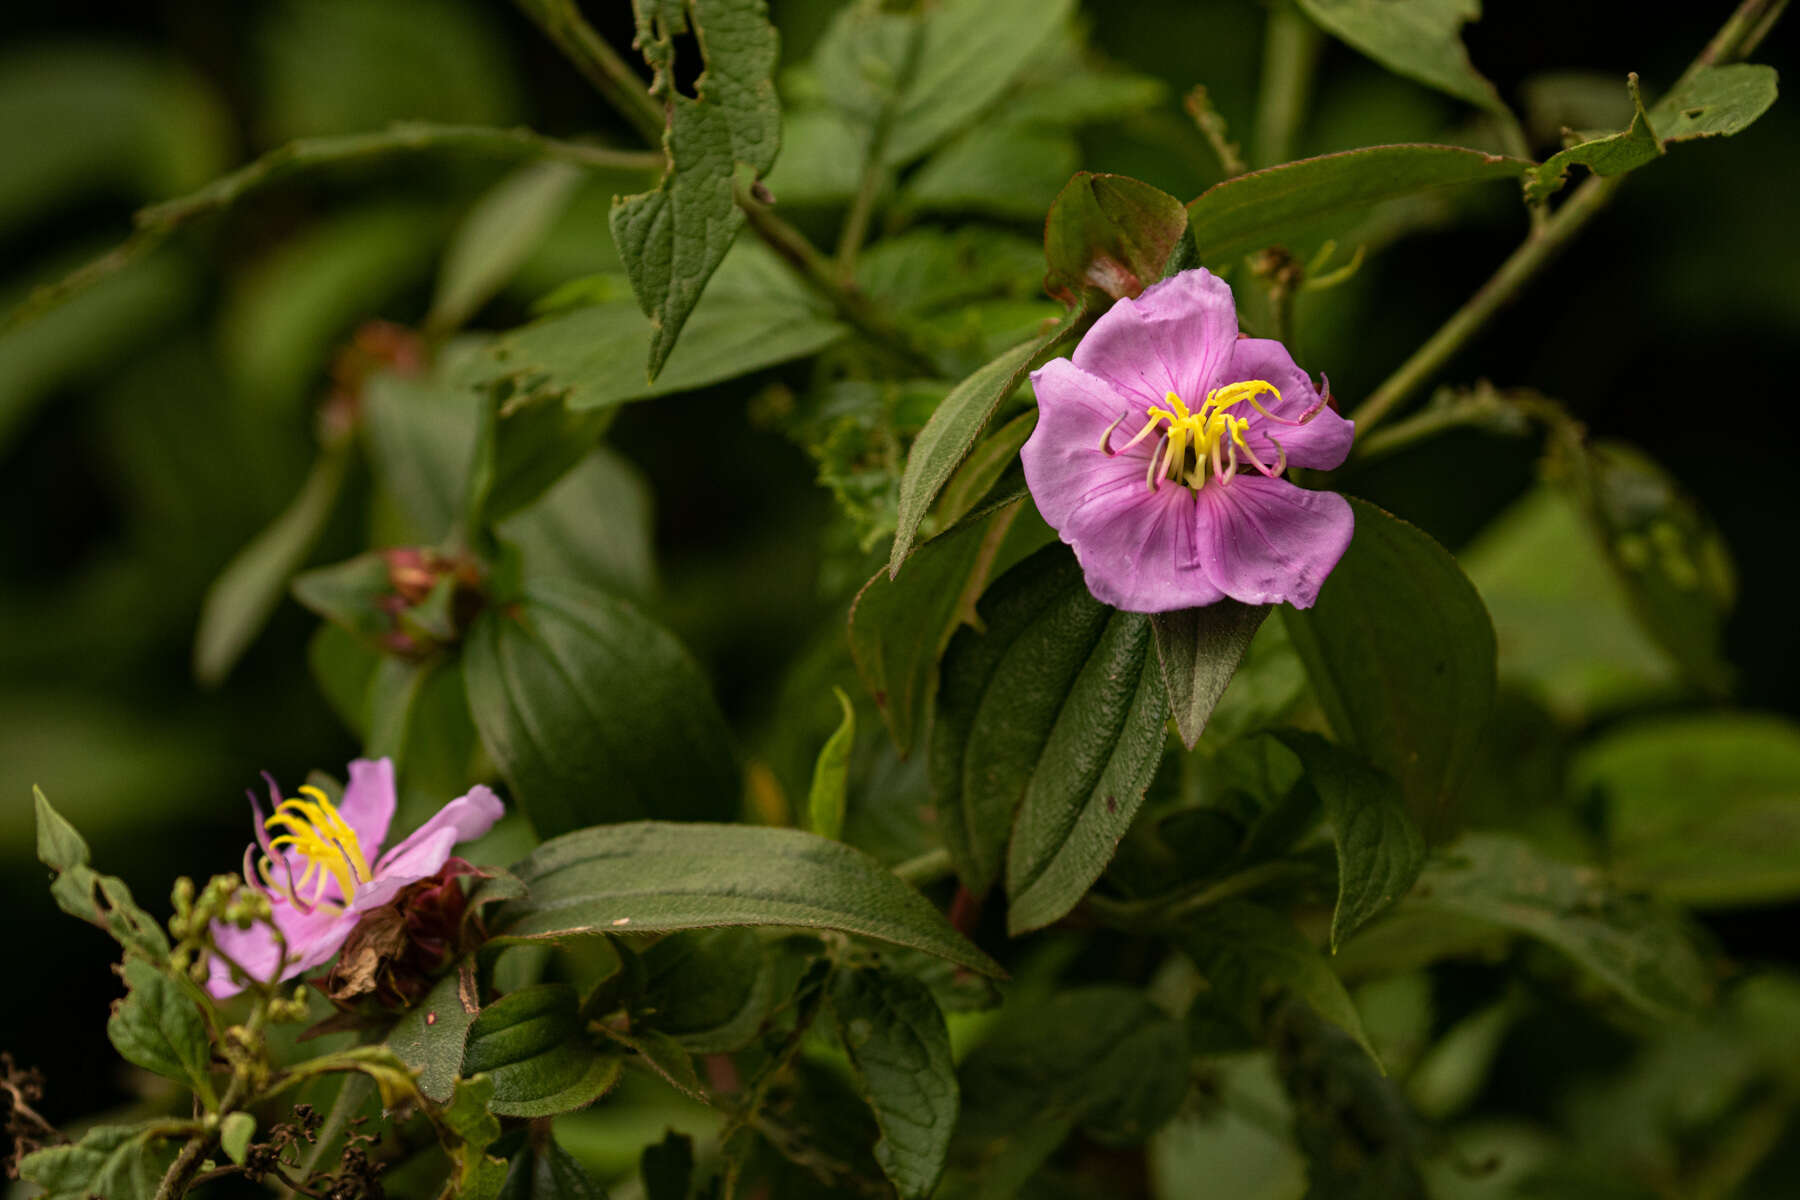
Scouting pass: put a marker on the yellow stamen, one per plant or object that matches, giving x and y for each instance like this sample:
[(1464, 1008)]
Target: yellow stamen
[(1209, 432), (316, 830)]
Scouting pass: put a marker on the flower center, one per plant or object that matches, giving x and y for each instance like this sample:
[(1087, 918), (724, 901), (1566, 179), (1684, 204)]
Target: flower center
[(320, 835), (1190, 440)]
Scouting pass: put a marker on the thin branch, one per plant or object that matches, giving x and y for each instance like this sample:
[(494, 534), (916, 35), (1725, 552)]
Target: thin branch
[(1290, 53), (1737, 38), (599, 64)]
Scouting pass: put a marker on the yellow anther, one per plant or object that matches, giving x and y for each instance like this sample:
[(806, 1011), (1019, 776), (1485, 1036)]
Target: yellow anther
[(1209, 432), (319, 833)]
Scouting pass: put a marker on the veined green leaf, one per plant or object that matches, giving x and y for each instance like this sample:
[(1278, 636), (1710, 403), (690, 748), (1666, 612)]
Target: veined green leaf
[(532, 1044), (431, 1035), (1715, 102), (1611, 155), (1111, 235), (656, 877), (1401, 654), (1252, 211), (1199, 650), (1420, 39), (158, 1027), (594, 712), (122, 1161)]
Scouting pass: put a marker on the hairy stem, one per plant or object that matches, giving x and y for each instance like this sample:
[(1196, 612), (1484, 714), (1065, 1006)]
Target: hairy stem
[(599, 64), (1740, 34)]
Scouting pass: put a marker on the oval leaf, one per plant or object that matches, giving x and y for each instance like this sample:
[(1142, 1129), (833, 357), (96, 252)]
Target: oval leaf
[(531, 1044), (595, 713), (1199, 650), (1420, 39), (652, 877), (1400, 651), (1109, 234)]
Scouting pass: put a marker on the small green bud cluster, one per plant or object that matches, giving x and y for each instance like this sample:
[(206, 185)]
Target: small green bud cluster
[(224, 899)]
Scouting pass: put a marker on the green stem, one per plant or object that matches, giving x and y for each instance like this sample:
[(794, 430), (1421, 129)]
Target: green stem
[(875, 173), (599, 64), (818, 273), (158, 221), (1736, 38), (1290, 53)]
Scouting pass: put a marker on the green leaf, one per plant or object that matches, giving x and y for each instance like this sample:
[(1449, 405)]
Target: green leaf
[(956, 426), (1243, 948), (64, 851), (899, 627), (656, 877), (1199, 650), (158, 1027), (825, 800), (548, 1172), (119, 1162), (673, 239), (1005, 171), (899, 1050), (235, 1132), (596, 526), (349, 595), (667, 1167), (1715, 102), (709, 990), (1612, 155), (1379, 850), (532, 1044), (1400, 651), (472, 1129), (430, 1036), (1056, 713), (1109, 236), (1671, 558), (1249, 212), (1640, 949), (497, 234), (1420, 39), (754, 315), (595, 713), (1699, 809)]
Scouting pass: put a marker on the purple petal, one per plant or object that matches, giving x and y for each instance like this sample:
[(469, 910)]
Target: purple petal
[(1064, 465), (1266, 541), (368, 803), (1177, 336), (1138, 550), (311, 940), (428, 847), (1322, 442)]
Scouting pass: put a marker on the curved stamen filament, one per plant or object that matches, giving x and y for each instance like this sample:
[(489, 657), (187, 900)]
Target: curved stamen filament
[(319, 834), (1106, 437), (1209, 435)]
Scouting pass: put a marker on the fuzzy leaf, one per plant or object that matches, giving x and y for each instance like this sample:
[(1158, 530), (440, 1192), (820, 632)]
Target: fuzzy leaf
[(1110, 235), (119, 1162), (532, 1045), (709, 990), (595, 713), (81, 891), (656, 877), (1199, 650), (899, 1050), (548, 1172), (1401, 654), (158, 1027), (430, 1037)]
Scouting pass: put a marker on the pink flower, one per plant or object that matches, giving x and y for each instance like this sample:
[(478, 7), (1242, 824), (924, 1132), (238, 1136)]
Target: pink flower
[(315, 867), (1159, 451)]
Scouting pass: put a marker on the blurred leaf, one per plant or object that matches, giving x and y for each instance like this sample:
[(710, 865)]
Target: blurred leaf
[(62, 849), (899, 627), (1198, 650), (157, 1027), (1243, 948), (532, 1044), (430, 1037), (1401, 655), (1675, 566), (122, 1162), (1612, 155), (671, 240), (594, 712), (1562, 619), (957, 425), (340, 66), (1049, 728), (474, 1175), (90, 334), (548, 1172), (1279, 204), (420, 433), (668, 1167), (1420, 39), (753, 316), (349, 594), (899, 1050), (1643, 951), (243, 597), (497, 233), (235, 1132), (655, 877), (1700, 809), (594, 527), (125, 123), (825, 801), (1379, 849), (929, 270), (975, 481), (1109, 235), (1005, 171), (1715, 102), (709, 990)]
